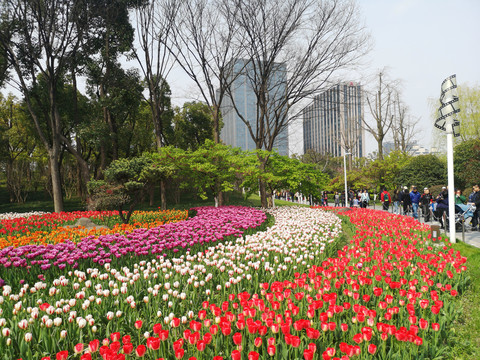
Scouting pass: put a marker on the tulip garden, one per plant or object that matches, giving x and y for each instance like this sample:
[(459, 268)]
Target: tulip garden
[(228, 283)]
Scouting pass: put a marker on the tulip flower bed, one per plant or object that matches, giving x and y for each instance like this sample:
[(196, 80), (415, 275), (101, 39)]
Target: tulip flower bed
[(388, 294), (210, 224), (49, 228), (80, 306)]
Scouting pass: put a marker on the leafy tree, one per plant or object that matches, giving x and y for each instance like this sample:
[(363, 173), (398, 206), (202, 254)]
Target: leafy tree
[(373, 175), (384, 173), (113, 87), (467, 163), (423, 171), (282, 173), (17, 145), (212, 167), (125, 183), (193, 125), (469, 115), (42, 38)]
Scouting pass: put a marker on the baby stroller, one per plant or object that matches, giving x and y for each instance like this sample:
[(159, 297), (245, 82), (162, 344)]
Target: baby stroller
[(462, 213)]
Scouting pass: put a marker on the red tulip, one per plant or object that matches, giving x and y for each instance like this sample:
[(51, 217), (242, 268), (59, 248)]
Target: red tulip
[(258, 342), (115, 346), (178, 344), (207, 338), (201, 345), (313, 333), (179, 353), (126, 339), (435, 326), (271, 349), (236, 355), (153, 343), (138, 324), (195, 325), (115, 336), (175, 322), (295, 341), (77, 349), (423, 324), (358, 338), (62, 355), (94, 345), (372, 348), (163, 335), (330, 351), (253, 355), (157, 328), (214, 329), (308, 354), (127, 348), (86, 356), (237, 338), (140, 350)]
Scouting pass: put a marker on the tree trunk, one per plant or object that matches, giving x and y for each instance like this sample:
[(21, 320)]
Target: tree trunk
[(263, 193), (216, 125), (163, 196), (380, 148), (151, 195), (56, 179)]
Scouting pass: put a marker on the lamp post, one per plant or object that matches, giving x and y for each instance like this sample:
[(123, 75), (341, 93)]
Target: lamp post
[(447, 122), (345, 174)]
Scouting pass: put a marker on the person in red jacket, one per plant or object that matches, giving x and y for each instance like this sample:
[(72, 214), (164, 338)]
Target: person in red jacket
[(385, 198)]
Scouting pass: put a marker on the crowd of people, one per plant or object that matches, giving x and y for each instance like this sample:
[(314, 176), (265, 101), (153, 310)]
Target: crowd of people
[(410, 202)]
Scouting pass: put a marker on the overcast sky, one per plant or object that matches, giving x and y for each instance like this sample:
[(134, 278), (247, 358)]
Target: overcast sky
[(421, 42)]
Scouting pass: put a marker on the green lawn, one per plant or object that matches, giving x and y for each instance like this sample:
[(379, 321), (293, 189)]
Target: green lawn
[(465, 340)]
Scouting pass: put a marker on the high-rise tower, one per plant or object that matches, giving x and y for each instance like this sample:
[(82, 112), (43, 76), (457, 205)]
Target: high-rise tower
[(332, 124)]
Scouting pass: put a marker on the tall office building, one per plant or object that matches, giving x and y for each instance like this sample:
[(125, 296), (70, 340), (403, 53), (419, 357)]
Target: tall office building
[(332, 124), (235, 132)]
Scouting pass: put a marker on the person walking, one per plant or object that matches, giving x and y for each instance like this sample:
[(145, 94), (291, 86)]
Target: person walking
[(396, 201), (351, 196), (406, 201), (365, 199), (415, 198), (442, 206), (476, 201), (425, 201), (337, 199), (385, 198)]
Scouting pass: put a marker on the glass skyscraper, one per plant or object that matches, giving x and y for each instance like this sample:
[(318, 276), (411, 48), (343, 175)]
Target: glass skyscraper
[(332, 123), (235, 132)]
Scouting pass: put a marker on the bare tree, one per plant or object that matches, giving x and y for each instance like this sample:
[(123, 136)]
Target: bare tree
[(403, 126), (292, 48), (202, 42), (155, 21), (381, 106)]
